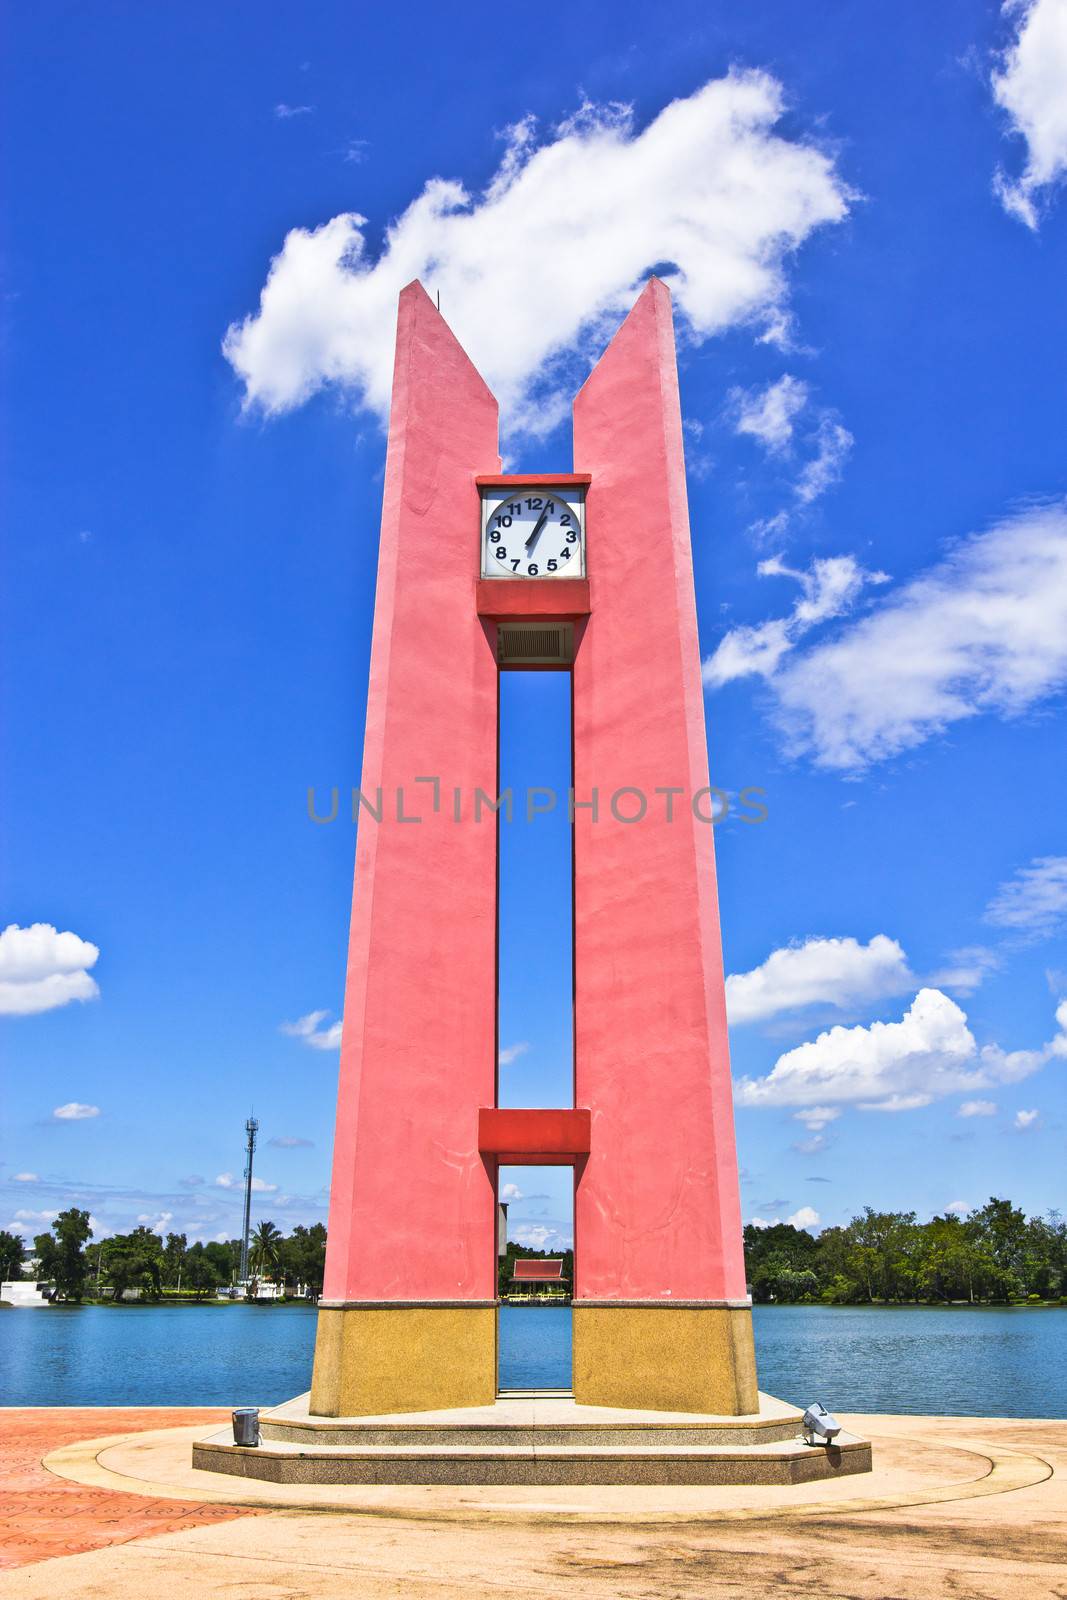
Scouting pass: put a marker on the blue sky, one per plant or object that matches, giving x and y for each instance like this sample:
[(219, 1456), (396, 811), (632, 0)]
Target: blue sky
[(859, 211)]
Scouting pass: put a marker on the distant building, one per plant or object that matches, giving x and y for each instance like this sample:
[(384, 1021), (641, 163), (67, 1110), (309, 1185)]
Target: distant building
[(539, 1276)]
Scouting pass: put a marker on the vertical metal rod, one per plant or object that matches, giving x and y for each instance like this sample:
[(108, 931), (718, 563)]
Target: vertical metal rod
[(251, 1129)]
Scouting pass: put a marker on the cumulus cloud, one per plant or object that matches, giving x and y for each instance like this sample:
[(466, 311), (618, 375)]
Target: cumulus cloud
[(512, 1052), (977, 1108), (539, 1236), (310, 1030), (957, 1208), (1030, 85), (41, 969), (708, 194), (1034, 901), (806, 1217), (228, 1180), (511, 1191), (837, 972), (1024, 1120), (983, 631), (829, 587), (896, 1066), (75, 1111), (769, 414)]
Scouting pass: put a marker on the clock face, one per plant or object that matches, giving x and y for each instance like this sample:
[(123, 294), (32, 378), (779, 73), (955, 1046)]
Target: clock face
[(534, 532)]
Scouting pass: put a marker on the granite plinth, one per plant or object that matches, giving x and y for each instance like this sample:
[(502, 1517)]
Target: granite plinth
[(533, 1440)]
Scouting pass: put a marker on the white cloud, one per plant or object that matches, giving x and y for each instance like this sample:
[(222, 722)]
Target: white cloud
[(25, 1177), (983, 631), (1031, 86), (36, 1216), (829, 587), (538, 1236), (816, 1118), (512, 1052), (813, 1146), (768, 414), (806, 1217), (708, 193), (284, 112), (75, 1111), (968, 970), (895, 1066), (1034, 901), (228, 1180), (957, 1208), (837, 972), (309, 1029), (511, 1191), (977, 1108), (158, 1221), (41, 969), (832, 445), (1024, 1120)]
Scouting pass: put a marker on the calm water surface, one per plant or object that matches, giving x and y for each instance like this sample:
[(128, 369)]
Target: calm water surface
[(1008, 1362)]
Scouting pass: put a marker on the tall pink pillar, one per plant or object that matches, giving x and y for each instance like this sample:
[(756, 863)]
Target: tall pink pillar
[(661, 1316), (408, 1319)]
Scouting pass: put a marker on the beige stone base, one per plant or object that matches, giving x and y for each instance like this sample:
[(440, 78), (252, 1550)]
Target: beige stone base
[(665, 1358), (374, 1360)]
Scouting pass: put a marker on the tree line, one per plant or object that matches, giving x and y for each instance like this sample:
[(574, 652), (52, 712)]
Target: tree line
[(161, 1268), (994, 1254)]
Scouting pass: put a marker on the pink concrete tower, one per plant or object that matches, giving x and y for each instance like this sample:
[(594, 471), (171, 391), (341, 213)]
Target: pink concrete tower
[(408, 1317)]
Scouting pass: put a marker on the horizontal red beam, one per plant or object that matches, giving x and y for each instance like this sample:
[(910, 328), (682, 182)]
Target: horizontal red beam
[(543, 1138), (532, 598), (514, 480)]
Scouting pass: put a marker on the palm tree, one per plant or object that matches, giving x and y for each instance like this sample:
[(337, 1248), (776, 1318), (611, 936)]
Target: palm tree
[(265, 1251)]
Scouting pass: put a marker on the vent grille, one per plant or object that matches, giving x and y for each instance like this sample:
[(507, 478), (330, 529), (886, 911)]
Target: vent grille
[(534, 644)]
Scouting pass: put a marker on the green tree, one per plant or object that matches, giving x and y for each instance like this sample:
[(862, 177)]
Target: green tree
[(303, 1258), (61, 1253), (264, 1254), (12, 1255), (173, 1259), (134, 1261), (201, 1273), (224, 1256)]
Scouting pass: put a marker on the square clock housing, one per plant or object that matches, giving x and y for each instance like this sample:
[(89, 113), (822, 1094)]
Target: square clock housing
[(534, 530)]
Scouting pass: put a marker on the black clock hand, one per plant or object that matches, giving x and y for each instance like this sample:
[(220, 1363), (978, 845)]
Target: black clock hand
[(536, 534)]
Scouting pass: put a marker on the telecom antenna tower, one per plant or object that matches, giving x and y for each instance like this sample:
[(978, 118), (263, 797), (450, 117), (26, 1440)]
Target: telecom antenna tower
[(251, 1129)]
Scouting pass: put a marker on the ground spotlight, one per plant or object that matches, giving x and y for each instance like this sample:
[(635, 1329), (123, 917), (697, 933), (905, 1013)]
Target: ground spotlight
[(819, 1426)]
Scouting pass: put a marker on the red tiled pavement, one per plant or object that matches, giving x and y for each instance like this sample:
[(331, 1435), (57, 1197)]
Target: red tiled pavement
[(42, 1515)]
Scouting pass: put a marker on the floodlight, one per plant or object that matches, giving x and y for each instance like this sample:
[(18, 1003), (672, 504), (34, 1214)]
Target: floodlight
[(819, 1426)]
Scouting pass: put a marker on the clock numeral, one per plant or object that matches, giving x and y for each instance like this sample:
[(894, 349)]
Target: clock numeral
[(571, 536), (532, 569), (564, 555), (494, 536), (505, 522), (515, 507), (565, 520), (552, 565), (515, 565), (501, 553), (534, 503), (550, 507)]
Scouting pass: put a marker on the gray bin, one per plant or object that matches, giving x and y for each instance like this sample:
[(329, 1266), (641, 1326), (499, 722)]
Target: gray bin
[(246, 1425)]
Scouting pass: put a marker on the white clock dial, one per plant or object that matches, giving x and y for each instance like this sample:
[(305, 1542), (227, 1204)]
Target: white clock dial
[(533, 533)]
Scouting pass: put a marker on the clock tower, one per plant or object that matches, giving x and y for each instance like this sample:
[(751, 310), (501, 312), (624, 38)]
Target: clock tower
[(482, 572)]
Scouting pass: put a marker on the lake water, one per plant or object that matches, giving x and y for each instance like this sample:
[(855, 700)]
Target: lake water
[(1006, 1362)]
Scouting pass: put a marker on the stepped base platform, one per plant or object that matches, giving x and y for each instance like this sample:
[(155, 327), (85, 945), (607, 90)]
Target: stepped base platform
[(533, 1438)]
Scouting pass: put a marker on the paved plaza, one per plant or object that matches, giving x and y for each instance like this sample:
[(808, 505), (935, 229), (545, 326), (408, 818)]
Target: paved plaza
[(104, 1503)]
